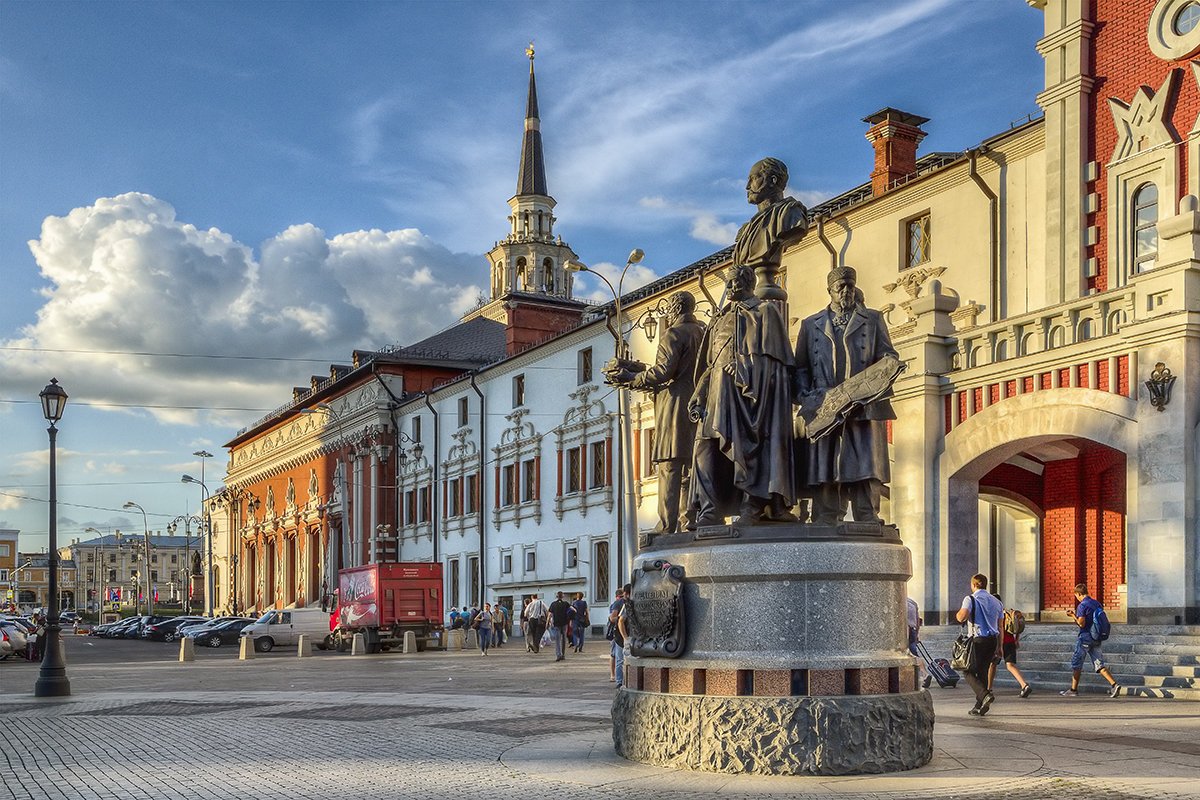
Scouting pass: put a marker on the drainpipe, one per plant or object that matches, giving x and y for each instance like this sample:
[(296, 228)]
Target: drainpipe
[(433, 490), (994, 233), (482, 493), (825, 241)]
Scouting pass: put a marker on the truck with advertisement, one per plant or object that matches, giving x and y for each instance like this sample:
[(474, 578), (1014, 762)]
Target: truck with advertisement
[(384, 601)]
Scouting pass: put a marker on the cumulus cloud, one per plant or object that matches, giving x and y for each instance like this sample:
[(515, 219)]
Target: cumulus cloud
[(126, 276)]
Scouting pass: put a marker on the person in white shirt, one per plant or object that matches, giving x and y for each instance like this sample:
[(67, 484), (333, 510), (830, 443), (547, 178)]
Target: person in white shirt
[(981, 612)]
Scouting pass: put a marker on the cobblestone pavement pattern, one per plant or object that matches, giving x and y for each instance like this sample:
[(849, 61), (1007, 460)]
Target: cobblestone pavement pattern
[(513, 725)]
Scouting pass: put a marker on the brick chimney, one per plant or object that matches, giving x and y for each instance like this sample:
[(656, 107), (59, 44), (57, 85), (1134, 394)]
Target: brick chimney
[(895, 136)]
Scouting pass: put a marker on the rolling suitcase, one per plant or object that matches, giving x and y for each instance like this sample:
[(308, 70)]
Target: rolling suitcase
[(939, 668)]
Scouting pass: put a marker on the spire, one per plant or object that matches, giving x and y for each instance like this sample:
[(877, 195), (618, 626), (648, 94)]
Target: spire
[(532, 177)]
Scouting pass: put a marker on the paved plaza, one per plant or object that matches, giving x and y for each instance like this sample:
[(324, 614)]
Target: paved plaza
[(139, 724)]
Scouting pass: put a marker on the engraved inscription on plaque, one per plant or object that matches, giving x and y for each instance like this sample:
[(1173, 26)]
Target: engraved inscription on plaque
[(655, 615)]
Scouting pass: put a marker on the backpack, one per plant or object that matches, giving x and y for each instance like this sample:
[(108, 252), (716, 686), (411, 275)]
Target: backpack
[(1014, 622), (1100, 625)]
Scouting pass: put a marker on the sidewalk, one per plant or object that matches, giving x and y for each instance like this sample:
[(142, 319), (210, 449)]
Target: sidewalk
[(512, 725)]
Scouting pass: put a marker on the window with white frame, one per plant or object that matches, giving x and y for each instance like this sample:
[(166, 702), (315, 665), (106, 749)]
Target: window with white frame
[(529, 480), (584, 442), (584, 372), (517, 459), (518, 391), (1145, 227), (463, 410), (530, 560), (575, 469), (506, 563), (571, 557), (598, 468)]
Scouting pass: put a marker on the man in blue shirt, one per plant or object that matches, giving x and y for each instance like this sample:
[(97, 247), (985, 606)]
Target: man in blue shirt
[(982, 612), (1086, 646)]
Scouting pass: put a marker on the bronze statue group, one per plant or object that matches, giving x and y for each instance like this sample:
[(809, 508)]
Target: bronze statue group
[(749, 424)]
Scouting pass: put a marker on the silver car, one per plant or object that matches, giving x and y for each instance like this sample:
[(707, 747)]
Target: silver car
[(14, 636)]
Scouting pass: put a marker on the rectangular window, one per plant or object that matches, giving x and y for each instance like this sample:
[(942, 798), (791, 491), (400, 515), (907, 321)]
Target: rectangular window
[(454, 586), (91, 576), (571, 558), (597, 467), (648, 461), (410, 507), (154, 576), (112, 558), (472, 491), (112, 576), (454, 500), (518, 391), (601, 590), (3, 551), (424, 500), (530, 560), (3, 576), (918, 241), (473, 566), (154, 558), (89, 555), (574, 470), (529, 480), (462, 412), (175, 559), (510, 484), (506, 563), (415, 429), (585, 366)]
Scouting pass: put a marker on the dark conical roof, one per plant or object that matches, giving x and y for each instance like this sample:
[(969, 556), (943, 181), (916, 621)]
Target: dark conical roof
[(532, 177)]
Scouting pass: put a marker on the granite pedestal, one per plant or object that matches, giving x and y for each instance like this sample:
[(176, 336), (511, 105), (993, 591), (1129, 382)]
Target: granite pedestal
[(795, 657)]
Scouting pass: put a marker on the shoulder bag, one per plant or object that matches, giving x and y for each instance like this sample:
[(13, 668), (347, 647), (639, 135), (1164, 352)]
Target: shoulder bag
[(963, 655)]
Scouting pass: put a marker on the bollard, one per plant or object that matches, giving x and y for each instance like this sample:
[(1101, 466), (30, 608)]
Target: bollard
[(472, 639), (410, 642), (187, 649), (246, 651), (358, 645), (302, 646), (454, 640)]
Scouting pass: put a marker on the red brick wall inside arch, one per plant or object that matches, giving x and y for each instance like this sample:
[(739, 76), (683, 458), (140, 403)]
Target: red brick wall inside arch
[(1083, 522)]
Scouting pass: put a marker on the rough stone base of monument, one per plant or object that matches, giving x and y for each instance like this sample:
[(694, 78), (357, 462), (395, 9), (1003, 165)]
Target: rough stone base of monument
[(775, 735), (795, 656)]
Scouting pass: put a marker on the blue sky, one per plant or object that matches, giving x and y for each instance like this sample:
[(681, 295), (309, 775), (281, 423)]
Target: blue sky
[(185, 182)]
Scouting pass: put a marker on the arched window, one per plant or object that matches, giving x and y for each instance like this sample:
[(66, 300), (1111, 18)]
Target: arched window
[(1145, 227), (548, 275)]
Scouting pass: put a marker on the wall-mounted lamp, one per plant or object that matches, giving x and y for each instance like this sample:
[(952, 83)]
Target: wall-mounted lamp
[(1160, 383)]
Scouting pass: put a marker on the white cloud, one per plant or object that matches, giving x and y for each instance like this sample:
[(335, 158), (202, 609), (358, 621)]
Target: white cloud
[(125, 275)]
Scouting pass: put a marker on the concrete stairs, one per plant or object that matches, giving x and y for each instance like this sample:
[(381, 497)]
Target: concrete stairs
[(1147, 660)]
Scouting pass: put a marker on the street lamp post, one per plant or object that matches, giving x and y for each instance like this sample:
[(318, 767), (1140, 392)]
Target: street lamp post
[(145, 555), (208, 582), (187, 543), (624, 479), (52, 680)]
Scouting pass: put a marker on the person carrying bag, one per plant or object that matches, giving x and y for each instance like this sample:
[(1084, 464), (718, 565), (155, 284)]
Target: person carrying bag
[(973, 650)]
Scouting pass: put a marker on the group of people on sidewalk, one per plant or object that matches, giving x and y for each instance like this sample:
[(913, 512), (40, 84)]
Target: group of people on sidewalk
[(995, 638), (490, 623), (563, 622)]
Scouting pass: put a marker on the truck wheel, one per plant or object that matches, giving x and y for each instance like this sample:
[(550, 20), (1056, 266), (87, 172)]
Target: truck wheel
[(264, 644), (326, 643), (374, 647), (341, 644), (420, 645)]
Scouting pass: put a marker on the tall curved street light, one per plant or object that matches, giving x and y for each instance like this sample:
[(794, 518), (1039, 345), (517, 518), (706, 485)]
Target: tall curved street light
[(625, 467), (208, 580), (185, 584), (52, 678), (146, 554)]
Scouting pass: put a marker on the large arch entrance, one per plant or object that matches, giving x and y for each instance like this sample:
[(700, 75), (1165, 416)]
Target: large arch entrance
[(1038, 495), (1051, 516)]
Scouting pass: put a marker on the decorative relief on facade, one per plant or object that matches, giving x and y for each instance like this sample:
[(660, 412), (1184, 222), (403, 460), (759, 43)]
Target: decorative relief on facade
[(314, 490), (269, 507), (1143, 123), (517, 492), (584, 452), (290, 503), (913, 280)]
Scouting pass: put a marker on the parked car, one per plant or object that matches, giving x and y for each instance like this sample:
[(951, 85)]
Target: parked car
[(6, 646), (191, 628), (222, 632), (119, 630), (15, 634), (68, 617), (168, 629)]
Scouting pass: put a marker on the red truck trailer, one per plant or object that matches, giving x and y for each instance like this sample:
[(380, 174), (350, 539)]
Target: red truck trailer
[(384, 601)]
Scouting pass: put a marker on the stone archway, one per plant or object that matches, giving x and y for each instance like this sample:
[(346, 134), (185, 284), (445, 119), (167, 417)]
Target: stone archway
[(1062, 456)]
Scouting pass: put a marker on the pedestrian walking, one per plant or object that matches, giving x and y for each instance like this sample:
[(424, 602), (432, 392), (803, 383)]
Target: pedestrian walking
[(579, 621), (499, 619), (1093, 630), (483, 625), (616, 643), (31, 640), (981, 613), (535, 622), (1012, 625), (560, 615), (622, 634)]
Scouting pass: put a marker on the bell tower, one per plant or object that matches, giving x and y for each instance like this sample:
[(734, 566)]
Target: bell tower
[(529, 261)]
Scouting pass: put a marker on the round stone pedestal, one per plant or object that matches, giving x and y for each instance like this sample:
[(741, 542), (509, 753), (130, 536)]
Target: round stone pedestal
[(844, 735), (795, 660)]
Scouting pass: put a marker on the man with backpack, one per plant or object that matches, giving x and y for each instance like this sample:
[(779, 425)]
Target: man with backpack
[(1093, 630), (981, 613)]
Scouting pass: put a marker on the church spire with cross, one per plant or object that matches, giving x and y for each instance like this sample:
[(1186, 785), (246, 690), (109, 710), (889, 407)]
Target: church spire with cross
[(530, 259)]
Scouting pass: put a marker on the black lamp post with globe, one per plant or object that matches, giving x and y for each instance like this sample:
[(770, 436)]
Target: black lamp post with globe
[(52, 679)]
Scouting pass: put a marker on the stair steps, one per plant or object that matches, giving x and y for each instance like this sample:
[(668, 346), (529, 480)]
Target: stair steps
[(1147, 660)]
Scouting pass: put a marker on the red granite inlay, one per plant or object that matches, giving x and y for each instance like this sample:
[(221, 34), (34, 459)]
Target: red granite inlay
[(772, 682), (873, 680), (826, 682), (721, 682)]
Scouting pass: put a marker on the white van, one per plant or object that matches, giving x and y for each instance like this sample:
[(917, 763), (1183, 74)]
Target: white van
[(282, 627)]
